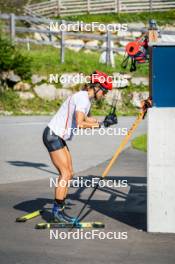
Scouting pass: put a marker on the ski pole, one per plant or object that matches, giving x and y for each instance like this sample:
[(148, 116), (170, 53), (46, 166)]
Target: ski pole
[(115, 156)]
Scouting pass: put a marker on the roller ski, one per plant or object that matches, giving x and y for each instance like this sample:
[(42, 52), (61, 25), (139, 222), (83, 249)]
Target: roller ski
[(70, 225)]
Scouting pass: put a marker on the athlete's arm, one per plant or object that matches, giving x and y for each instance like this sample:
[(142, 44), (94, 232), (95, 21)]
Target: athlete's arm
[(91, 119), (82, 121)]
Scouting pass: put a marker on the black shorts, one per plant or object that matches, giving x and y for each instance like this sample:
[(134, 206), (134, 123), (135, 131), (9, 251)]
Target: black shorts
[(52, 141)]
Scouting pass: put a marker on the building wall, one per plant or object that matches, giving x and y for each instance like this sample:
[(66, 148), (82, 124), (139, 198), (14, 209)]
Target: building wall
[(161, 170)]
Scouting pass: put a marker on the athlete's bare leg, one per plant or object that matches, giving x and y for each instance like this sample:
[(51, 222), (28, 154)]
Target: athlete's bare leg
[(62, 163), (70, 167)]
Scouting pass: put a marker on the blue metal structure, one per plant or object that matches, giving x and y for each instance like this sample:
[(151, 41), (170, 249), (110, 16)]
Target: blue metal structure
[(162, 75)]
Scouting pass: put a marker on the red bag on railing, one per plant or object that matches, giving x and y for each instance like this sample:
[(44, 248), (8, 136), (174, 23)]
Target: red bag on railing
[(136, 50)]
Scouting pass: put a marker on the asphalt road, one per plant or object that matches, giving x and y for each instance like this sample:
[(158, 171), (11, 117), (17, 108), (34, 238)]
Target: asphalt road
[(24, 157), (122, 209), (25, 186)]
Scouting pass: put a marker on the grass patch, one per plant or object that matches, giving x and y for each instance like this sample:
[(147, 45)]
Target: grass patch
[(10, 101), (164, 17), (140, 143), (46, 60)]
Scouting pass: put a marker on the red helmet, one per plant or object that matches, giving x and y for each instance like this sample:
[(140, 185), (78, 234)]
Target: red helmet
[(102, 78)]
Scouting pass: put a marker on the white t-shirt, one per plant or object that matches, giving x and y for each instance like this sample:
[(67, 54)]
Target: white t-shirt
[(64, 121)]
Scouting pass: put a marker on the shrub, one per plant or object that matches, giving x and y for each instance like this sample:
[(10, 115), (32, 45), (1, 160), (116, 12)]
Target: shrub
[(12, 59)]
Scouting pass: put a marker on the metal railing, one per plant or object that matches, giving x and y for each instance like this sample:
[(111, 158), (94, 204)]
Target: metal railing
[(75, 7), (107, 37)]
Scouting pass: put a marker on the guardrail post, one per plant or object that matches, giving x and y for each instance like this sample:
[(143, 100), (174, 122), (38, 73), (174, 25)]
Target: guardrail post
[(117, 6), (88, 6), (58, 7), (50, 37), (28, 44), (12, 27), (62, 50), (108, 48)]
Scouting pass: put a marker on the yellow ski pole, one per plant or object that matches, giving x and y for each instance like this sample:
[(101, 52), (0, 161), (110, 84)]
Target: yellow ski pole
[(123, 143), (117, 153)]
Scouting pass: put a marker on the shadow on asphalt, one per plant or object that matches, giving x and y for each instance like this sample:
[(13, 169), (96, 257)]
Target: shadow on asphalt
[(39, 166), (128, 207)]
